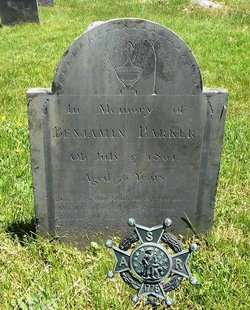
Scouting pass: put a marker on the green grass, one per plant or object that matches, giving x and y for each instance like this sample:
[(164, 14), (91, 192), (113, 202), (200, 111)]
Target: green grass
[(40, 273)]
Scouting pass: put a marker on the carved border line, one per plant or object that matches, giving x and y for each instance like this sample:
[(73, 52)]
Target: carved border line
[(83, 40)]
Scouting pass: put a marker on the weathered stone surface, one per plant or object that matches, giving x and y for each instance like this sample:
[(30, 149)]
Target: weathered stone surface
[(17, 11), (45, 2), (126, 131)]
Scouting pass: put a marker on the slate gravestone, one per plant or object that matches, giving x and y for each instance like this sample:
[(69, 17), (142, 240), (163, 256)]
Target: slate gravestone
[(126, 131), (17, 11), (45, 2)]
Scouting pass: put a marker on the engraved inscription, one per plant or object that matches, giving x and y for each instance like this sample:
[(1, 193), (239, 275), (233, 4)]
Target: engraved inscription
[(178, 110), (107, 109), (78, 157), (116, 179), (107, 133), (145, 132), (72, 110), (75, 157), (112, 157), (102, 157), (106, 157), (158, 157), (154, 157), (107, 178), (149, 178)]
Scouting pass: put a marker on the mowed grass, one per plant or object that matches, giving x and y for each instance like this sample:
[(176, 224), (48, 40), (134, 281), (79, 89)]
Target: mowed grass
[(43, 273)]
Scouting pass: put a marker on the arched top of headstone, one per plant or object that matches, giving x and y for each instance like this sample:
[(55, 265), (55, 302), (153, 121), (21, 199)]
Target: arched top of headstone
[(128, 56)]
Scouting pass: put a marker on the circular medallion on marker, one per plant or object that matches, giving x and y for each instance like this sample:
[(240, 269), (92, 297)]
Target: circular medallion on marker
[(150, 262)]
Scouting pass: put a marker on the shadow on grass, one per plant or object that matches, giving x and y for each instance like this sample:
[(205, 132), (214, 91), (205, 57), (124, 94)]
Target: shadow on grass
[(22, 230)]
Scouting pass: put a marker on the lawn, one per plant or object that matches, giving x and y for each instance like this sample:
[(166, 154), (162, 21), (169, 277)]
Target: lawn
[(44, 273)]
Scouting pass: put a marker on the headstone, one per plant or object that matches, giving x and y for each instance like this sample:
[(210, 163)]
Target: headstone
[(126, 131), (18, 11), (45, 2)]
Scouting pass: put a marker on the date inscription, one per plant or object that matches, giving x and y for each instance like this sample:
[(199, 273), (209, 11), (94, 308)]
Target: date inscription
[(112, 157)]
